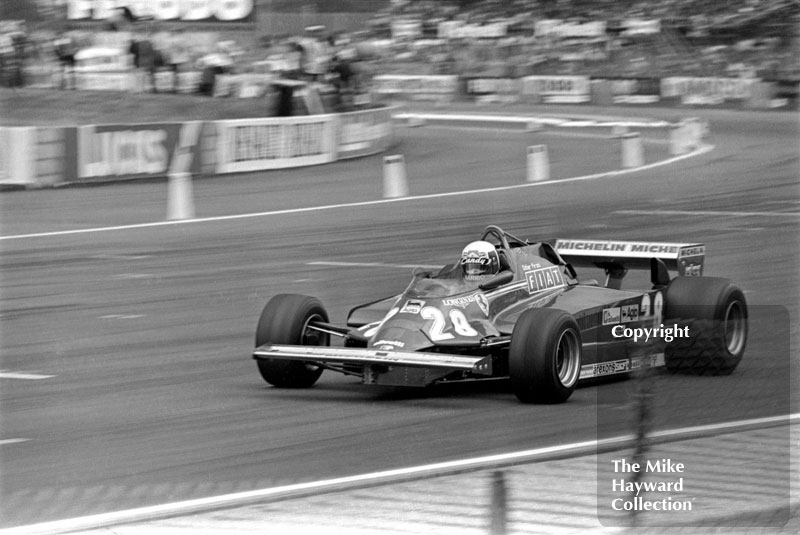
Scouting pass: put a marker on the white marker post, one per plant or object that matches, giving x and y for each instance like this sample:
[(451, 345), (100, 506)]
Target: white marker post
[(678, 142), (395, 183), (180, 198), (18, 155), (415, 121), (632, 154), (538, 164), (532, 125), (619, 130)]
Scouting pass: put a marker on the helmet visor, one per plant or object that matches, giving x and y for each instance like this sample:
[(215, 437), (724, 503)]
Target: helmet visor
[(476, 264)]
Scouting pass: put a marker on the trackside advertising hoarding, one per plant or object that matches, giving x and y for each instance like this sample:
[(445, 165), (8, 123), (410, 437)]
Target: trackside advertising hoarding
[(364, 132), (691, 90), (114, 152), (635, 90), (416, 87), (257, 144), (558, 89), (164, 10)]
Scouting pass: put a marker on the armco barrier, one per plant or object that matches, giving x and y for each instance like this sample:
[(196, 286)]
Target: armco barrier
[(33, 157), (124, 152), (36, 156), (361, 133), (274, 143), (442, 87), (281, 142), (16, 151)]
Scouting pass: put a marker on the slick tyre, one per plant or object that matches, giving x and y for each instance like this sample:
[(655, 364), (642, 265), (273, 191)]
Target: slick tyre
[(715, 311), (285, 320), (545, 356)]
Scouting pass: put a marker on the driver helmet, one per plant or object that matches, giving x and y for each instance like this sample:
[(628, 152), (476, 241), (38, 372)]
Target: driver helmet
[(479, 259)]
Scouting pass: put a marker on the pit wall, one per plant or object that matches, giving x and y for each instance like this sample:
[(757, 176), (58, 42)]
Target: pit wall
[(34, 157)]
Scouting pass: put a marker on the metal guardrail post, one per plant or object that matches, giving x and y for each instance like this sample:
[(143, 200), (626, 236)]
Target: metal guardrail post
[(499, 508), (643, 419)]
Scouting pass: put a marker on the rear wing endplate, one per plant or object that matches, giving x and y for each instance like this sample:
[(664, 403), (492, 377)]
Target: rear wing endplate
[(685, 258)]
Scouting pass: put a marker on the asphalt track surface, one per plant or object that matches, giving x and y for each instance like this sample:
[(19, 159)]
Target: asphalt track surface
[(140, 338)]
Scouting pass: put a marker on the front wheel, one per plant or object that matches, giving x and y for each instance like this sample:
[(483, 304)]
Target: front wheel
[(285, 320), (715, 312), (545, 356)]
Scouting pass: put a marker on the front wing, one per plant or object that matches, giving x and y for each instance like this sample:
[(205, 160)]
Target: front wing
[(374, 357)]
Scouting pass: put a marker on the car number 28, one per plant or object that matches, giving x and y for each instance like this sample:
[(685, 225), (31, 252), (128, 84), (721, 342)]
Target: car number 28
[(437, 333), (657, 310)]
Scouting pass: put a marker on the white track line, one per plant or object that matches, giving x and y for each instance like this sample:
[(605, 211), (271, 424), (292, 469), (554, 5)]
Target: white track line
[(704, 213), (13, 441), (697, 152), (590, 447), (22, 375), (549, 120)]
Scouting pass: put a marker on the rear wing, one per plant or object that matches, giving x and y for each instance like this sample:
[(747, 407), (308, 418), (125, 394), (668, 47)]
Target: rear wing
[(616, 257)]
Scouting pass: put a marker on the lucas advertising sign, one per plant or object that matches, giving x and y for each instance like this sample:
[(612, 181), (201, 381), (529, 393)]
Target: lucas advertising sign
[(136, 151)]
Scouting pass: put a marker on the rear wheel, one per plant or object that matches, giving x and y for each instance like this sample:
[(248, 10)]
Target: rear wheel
[(545, 356), (285, 320), (715, 311)]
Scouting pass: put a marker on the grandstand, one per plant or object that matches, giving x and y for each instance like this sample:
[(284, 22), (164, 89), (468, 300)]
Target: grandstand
[(496, 38)]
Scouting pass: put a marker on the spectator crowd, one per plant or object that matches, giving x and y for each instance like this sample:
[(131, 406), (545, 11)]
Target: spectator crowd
[(514, 38)]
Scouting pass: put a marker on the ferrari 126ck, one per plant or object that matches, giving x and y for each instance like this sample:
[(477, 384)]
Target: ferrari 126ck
[(510, 308)]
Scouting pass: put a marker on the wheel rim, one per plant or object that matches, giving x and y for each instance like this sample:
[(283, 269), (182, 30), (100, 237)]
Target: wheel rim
[(735, 327), (568, 358)]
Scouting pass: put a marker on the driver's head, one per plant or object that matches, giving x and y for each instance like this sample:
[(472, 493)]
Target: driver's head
[(479, 259)]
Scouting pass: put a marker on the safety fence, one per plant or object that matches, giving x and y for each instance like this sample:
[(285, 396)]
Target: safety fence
[(741, 93), (51, 156), (726, 92)]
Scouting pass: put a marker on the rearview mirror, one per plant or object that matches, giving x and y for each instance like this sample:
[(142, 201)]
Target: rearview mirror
[(421, 273)]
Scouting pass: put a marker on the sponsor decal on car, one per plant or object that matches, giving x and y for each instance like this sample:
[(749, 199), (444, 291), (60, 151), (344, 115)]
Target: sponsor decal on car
[(604, 368), (544, 279), (611, 316), (462, 302), (412, 307), (699, 250), (690, 260), (573, 246), (629, 313), (644, 308)]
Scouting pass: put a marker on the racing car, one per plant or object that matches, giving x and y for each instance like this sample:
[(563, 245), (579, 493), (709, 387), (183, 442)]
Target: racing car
[(527, 318)]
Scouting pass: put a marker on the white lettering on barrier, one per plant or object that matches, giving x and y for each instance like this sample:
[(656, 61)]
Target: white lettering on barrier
[(436, 84), (186, 10), (709, 90), (270, 142), (122, 152), (576, 86), (565, 29), (258, 144)]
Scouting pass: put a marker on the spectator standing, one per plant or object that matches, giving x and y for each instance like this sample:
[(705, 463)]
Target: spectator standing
[(177, 56), (144, 59), (65, 50), (7, 61)]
